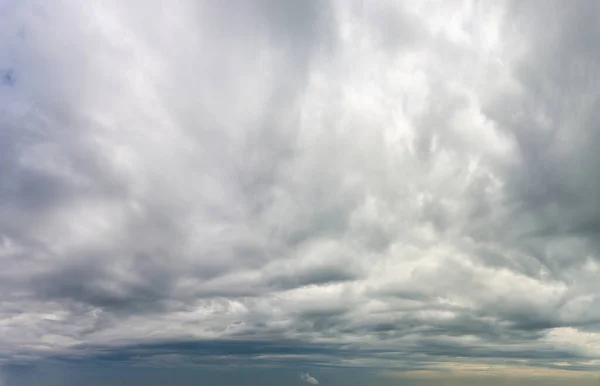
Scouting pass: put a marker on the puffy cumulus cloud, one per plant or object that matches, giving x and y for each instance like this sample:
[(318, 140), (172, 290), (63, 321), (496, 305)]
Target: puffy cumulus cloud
[(390, 185)]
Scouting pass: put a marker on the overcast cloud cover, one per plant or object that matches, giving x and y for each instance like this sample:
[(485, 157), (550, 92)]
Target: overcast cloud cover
[(372, 192)]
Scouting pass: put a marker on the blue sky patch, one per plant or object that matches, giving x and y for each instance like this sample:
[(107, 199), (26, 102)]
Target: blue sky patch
[(8, 78)]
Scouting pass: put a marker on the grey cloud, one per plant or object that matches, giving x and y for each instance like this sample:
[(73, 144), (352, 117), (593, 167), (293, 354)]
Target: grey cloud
[(555, 126), (202, 182), (553, 186)]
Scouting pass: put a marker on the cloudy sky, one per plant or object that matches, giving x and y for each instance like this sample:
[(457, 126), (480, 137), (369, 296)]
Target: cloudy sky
[(268, 192)]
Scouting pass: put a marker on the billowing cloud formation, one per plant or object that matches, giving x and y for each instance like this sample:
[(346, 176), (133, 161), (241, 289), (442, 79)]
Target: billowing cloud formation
[(394, 185), (307, 378)]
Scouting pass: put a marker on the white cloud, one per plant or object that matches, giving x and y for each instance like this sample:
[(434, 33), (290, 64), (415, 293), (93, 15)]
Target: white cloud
[(306, 377)]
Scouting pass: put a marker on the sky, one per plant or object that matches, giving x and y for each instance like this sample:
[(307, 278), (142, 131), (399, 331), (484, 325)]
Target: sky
[(319, 192)]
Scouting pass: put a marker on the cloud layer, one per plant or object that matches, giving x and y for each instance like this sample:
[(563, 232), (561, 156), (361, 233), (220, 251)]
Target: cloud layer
[(385, 185)]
